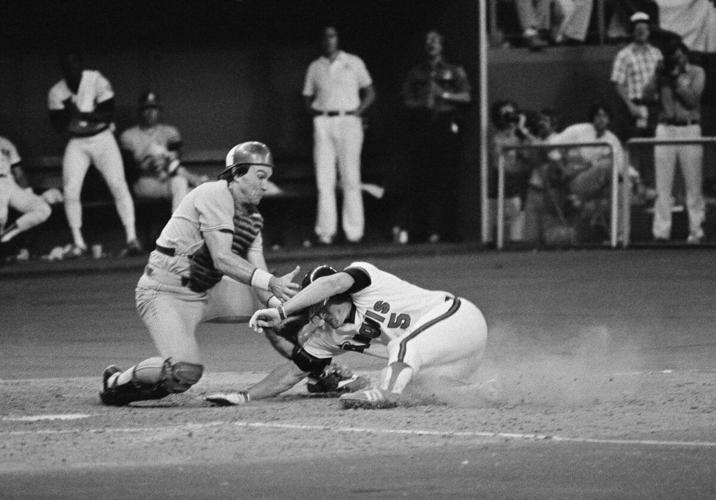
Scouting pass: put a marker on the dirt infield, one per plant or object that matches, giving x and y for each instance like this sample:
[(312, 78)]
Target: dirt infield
[(605, 362)]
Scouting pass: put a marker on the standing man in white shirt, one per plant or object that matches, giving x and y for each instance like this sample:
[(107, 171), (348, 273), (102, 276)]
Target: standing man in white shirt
[(337, 91), (81, 106)]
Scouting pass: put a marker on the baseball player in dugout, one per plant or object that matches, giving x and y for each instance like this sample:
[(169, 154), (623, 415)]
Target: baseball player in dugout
[(153, 150), (337, 91), (434, 93), (208, 265), (33, 209), (430, 333), (81, 106)]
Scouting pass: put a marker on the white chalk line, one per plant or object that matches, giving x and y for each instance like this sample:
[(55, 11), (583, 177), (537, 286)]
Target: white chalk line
[(38, 418), (368, 430)]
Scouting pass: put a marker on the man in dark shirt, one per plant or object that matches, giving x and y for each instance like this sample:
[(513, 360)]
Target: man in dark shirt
[(434, 92)]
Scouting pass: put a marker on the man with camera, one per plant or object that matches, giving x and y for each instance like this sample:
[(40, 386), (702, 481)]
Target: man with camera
[(678, 84)]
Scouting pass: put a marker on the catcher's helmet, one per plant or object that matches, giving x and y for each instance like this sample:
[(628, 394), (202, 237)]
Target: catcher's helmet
[(318, 272), (243, 155)]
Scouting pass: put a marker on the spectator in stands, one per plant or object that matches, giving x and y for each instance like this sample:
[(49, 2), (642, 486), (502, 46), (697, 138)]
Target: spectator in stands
[(633, 68), (587, 171), (509, 131), (618, 13), (337, 91), (434, 94), (544, 198), (575, 25), (152, 150), (679, 85), (539, 19), (81, 106), (33, 209)]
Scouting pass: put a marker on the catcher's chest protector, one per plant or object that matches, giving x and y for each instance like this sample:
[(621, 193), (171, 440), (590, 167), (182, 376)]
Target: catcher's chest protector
[(203, 275)]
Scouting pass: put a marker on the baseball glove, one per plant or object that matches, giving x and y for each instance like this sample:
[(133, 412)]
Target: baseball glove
[(334, 380)]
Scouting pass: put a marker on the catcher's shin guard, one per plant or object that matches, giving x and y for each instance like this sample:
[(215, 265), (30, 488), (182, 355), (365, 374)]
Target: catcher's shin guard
[(153, 378)]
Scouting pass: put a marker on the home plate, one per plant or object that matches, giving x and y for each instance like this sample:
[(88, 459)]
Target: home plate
[(37, 418)]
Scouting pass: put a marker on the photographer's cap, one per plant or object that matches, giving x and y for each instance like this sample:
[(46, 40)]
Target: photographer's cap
[(640, 17)]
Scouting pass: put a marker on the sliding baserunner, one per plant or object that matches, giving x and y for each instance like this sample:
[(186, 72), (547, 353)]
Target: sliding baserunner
[(430, 332)]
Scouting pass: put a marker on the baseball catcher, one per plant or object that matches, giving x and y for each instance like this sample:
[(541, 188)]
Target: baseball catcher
[(208, 265)]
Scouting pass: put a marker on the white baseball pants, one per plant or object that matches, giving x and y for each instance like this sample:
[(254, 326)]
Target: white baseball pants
[(102, 151), (338, 140), (690, 160), (449, 340)]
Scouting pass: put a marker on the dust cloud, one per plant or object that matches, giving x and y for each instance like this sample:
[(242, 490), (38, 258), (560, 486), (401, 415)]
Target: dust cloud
[(577, 368)]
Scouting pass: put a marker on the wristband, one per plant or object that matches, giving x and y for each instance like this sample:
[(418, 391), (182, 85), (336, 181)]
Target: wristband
[(273, 301), (260, 279), (281, 312)]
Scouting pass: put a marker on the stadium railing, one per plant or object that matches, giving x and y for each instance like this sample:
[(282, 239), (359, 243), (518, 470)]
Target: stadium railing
[(614, 208)]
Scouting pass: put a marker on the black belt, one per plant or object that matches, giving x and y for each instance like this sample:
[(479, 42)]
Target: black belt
[(680, 123), (171, 252), (336, 113)]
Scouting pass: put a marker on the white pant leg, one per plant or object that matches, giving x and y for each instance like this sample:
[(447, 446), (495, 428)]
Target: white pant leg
[(324, 157), (664, 164), (171, 314), (691, 163), (450, 341), (75, 163), (33, 208), (108, 160), (230, 302), (577, 16), (349, 146)]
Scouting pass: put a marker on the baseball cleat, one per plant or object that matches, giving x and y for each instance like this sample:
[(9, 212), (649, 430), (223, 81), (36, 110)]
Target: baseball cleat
[(372, 398), (353, 384), (227, 398), (107, 394)]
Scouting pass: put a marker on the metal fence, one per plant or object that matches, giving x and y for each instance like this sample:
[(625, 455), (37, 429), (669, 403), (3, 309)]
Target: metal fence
[(500, 219)]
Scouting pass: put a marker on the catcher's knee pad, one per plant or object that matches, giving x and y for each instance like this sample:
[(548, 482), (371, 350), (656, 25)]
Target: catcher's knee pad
[(179, 376)]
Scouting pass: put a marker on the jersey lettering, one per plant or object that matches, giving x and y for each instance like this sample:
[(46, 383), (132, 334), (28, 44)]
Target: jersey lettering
[(381, 307), (374, 316), (399, 321)]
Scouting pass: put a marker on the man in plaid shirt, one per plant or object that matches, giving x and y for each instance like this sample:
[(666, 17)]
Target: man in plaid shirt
[(633, 68)]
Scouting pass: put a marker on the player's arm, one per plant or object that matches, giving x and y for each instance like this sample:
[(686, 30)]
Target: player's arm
[(20, 177), (243, 271), (60, 118), (103, 112), (279, 380), (255, 256), (316, 292), (367, 95)]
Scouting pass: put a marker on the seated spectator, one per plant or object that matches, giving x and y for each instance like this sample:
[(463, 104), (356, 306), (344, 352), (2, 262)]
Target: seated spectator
[(33, 209), (509, 131), (152, 149), (544, 200), (587, 171), (540, 21)]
